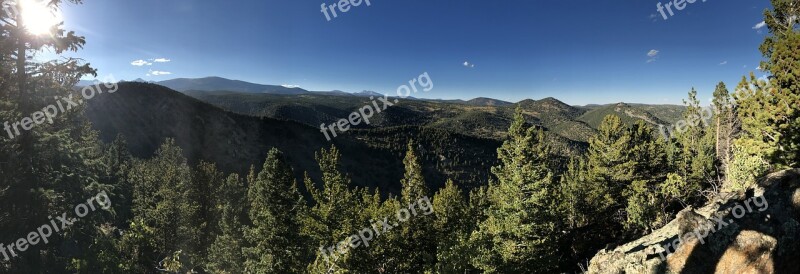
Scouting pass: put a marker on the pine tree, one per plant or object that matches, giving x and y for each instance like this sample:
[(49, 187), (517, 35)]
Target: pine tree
[(519, 234), (119, 162), (160, 206), (371, 254), (697, 140), (54, 166), (760, 137), (649, 156), (205, 180), (726, 125), (417, 238), (768, 109), (478, 203), (582, 200), (453, 225), (759, 141), (610, 162), (582, 205), (106, 254), (225, 254), (138, 248), (333, 217), (276, 211)]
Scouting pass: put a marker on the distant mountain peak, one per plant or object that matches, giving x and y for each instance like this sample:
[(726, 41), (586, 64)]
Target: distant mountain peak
[(551, 106), (367, 93), (215, 83), (552, 100), (483, 101)]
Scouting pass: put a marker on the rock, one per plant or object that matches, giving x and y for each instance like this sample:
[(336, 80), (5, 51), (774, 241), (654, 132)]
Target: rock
[(753, 233)]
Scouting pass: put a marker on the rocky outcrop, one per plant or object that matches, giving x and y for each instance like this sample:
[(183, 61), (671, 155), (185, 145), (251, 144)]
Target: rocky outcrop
[(754, 232)]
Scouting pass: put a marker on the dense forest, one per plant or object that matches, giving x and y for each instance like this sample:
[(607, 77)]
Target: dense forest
[(532, 211)]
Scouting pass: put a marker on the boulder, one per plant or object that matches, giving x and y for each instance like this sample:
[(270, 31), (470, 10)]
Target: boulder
[(753, 232)]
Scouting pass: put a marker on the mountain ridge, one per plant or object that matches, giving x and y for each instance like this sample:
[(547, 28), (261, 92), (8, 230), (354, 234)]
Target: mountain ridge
[(216, 83), (147, 114)]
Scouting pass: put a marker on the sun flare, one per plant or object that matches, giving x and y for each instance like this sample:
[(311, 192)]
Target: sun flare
[(38, 17)]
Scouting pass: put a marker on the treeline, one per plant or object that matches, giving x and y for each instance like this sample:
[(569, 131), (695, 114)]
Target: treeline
[(170, 217), (186, 219), (534, 216)]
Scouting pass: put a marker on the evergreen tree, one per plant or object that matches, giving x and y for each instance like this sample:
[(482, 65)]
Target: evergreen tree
[(478, 203), (697, 141), (726, 126), (202, 217), (371, 254), (119, 162), (276, 210), (760, 137), (768, 108), (520, 233), (52, 167), (610, 163), (582, 200), (137, 248), (161, 208), (225, 254), (333, 217), (417, 237), (649, 156), (453, 225), (581, 203)]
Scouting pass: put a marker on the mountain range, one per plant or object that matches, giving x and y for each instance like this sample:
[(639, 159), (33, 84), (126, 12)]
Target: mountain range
[(146, 114), (235, 126), (219, 84)]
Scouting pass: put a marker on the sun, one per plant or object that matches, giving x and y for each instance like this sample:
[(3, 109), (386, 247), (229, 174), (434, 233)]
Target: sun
[(38, 17)]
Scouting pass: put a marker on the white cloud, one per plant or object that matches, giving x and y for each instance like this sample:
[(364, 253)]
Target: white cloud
[(468, 64), (140, 63), (157, 73), (653, 54), (723, 63), (149, 62), (760, 25), (290, 86)]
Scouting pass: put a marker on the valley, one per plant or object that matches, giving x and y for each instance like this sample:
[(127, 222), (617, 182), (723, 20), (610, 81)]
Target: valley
[(236, 129), (265, 137)]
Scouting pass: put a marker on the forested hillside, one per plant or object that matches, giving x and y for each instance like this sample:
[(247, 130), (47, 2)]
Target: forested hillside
[(481, 117), (145, 115), (139, 178)]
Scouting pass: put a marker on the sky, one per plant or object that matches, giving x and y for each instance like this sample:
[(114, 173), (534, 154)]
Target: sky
[(578, 51)]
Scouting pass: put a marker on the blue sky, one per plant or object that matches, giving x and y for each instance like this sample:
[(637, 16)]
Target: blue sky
[(578, 51)]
